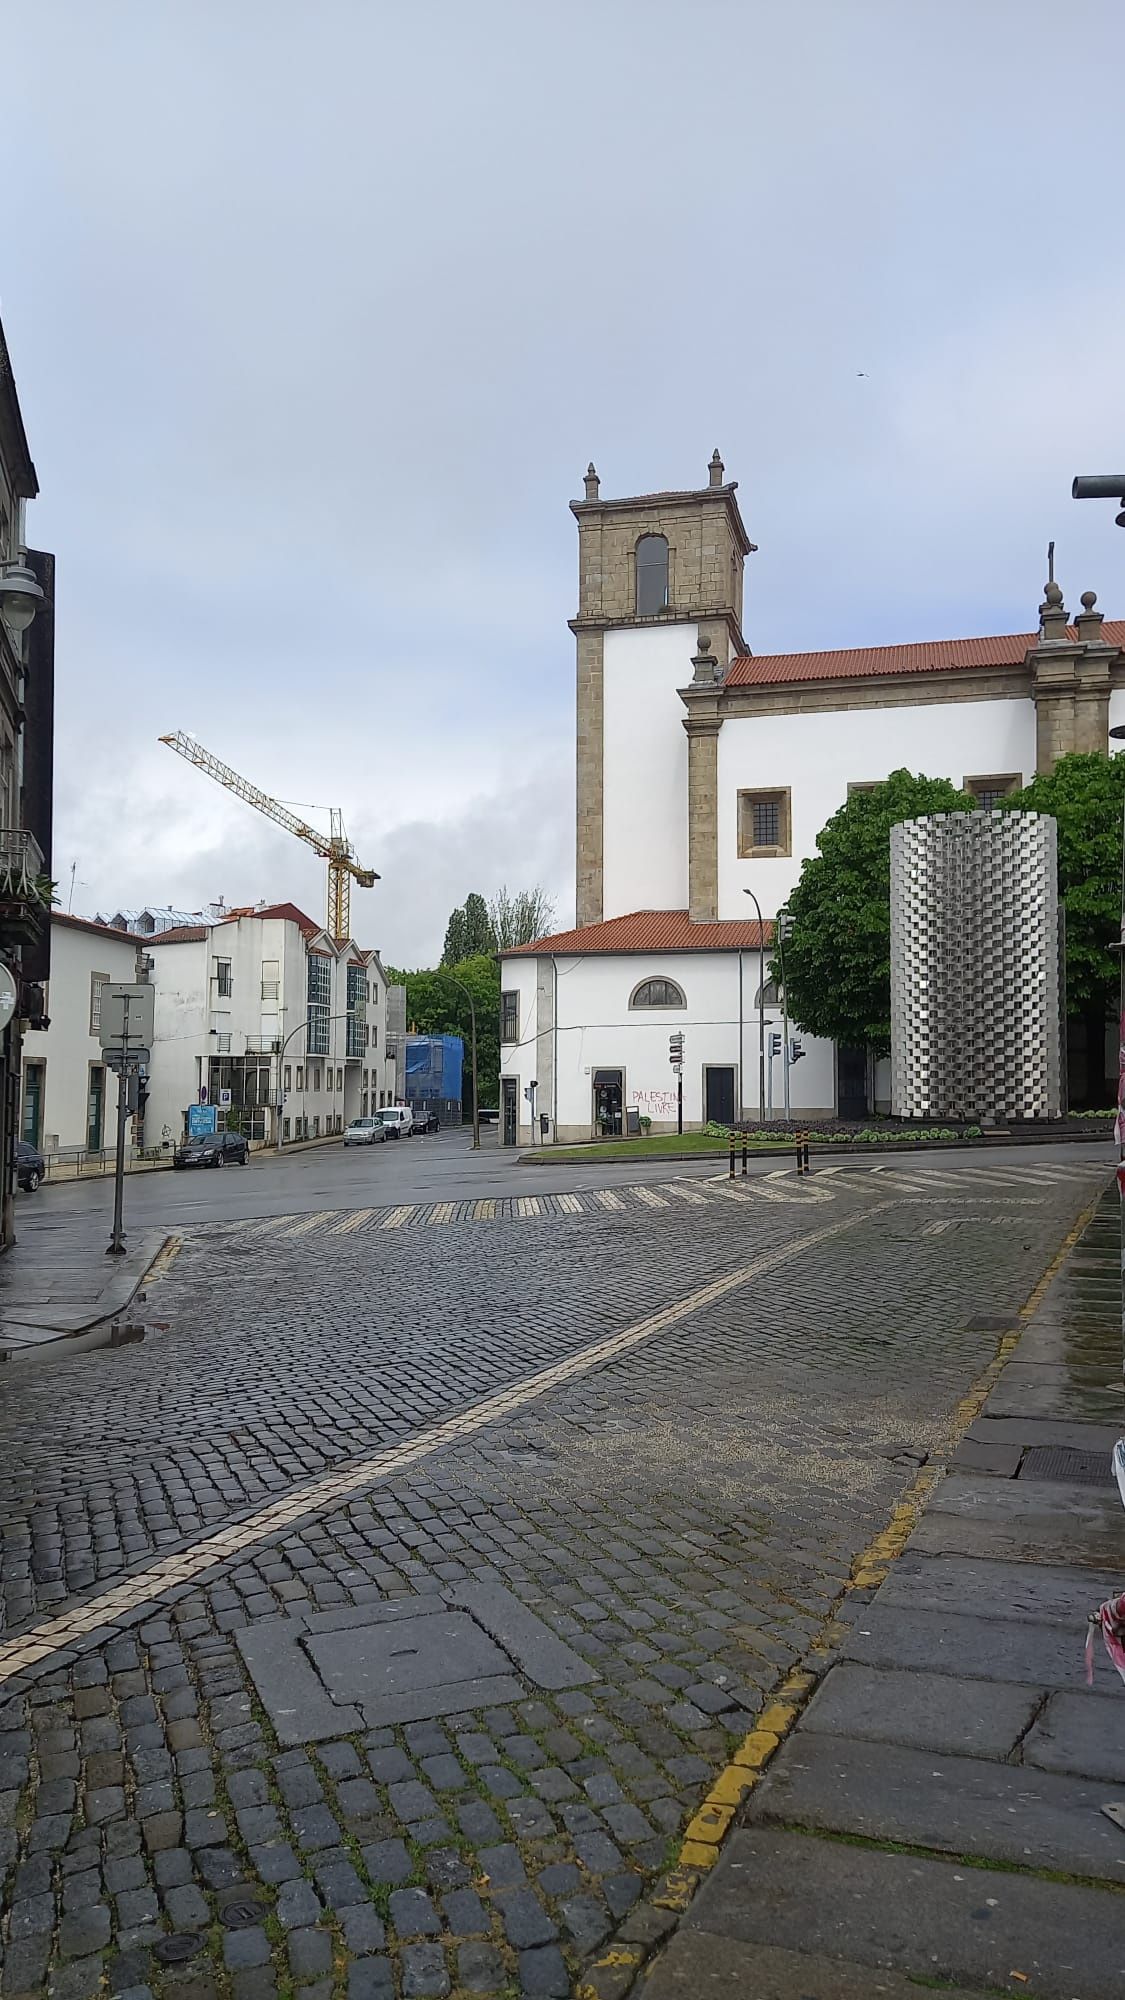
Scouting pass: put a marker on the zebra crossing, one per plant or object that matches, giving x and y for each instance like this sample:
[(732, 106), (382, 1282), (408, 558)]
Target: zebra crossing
[(1010, 1184)]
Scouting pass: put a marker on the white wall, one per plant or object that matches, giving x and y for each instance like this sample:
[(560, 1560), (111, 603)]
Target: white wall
[(596, 1030), (67, 1047), (818, 755), (644, 802)]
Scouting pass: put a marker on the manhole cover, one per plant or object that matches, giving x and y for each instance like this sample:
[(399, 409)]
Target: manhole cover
[(1077, 1468), (239, 1914), (177, 1950)]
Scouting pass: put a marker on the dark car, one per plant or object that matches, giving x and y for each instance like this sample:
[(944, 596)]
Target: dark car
[(425, 1119), (213, 1151), (30, 1166)]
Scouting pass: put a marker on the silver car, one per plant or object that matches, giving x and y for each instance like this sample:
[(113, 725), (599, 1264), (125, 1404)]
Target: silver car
[(365, 1132)]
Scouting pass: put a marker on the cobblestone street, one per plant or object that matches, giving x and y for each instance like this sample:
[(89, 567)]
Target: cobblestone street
[(376, 1627)]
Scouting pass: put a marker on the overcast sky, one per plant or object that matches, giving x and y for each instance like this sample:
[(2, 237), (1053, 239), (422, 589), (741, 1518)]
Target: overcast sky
[(317, 313)]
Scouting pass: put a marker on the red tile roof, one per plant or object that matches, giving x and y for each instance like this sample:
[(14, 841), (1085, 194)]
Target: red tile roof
[(183, 934), (650, 930), (287, 911), (929, 656)]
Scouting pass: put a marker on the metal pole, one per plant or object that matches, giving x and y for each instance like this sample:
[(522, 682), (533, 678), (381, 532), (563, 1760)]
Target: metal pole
[(770, 1084), (761, 1007), (680, 1102), (116, 1245), (784, 1010), (446, 974)]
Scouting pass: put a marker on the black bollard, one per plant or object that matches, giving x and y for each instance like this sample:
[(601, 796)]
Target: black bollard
[(744, 1153), (732, 1157)]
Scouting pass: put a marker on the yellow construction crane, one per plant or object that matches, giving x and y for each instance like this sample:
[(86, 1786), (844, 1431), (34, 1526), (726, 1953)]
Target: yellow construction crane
[(343, 868)]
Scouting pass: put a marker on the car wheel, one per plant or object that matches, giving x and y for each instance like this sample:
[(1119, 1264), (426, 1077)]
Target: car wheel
[(32, 1181), (220, 1159)]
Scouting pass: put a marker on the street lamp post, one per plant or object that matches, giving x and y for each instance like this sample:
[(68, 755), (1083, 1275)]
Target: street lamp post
[(445, 973), (300, 1029), (761, 1008), (1111, 486)]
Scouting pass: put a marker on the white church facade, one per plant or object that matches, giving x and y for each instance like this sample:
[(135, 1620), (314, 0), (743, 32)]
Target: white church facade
[(704, 771)]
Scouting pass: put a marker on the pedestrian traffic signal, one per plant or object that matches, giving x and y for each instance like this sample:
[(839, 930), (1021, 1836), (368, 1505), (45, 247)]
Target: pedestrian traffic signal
[(675, 1049), (775, 1043), (796, 1048)]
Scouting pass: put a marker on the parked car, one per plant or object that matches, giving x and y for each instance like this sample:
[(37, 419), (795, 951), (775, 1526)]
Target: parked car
[(398, 1120), (214, 1150), (425, 1118), (365, 1132), (30, 1166)]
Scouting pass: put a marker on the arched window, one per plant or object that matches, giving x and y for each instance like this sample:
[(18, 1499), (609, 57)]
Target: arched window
[(652, 575), (658, 993)]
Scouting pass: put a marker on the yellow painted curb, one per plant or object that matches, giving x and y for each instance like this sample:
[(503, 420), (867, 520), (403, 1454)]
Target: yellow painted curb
[(710, 1823)]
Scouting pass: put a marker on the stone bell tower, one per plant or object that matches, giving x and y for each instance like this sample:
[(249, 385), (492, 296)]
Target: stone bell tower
[(656, 564)]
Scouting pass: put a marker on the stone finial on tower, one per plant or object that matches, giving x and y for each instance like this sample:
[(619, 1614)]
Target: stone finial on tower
[(1052, 616), (592, 481), (715, 469), (1088, 624)]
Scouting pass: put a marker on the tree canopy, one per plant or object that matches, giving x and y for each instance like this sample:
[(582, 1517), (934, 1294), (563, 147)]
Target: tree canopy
[(521, 918), (469, 933), (1085, 794), (838, 957), (437, 1004)]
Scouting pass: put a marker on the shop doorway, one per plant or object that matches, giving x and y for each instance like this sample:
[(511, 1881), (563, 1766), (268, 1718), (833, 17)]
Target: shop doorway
[(851, 1083), (609, 1096), (508, 1105)]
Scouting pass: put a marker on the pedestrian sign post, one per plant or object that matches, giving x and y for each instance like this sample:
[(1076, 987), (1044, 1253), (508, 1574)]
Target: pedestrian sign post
[(126, 1025)]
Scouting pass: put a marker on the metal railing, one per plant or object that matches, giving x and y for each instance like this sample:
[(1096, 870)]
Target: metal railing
[(21, 862)]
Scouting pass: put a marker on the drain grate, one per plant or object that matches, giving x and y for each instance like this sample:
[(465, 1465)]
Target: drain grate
[(1077, 1468), (178, 1949)]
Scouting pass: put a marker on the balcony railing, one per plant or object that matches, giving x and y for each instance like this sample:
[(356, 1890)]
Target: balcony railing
[(22, 867)]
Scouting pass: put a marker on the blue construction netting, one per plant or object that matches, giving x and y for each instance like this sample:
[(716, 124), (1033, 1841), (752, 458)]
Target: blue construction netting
[(433, 1067)]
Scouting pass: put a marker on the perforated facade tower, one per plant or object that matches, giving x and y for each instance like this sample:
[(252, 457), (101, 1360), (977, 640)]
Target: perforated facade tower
[(975, 967)]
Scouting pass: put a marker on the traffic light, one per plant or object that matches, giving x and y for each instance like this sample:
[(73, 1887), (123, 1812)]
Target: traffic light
[(675, 1050), (775, 1043), (796, 1049)]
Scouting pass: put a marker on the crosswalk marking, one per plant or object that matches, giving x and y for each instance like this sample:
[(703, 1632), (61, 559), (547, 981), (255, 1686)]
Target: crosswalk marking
[(308, 1222), (911, 1184), (355, 1220)]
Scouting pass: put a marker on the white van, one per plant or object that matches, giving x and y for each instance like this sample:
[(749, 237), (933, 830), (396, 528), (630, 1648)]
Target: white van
[(398, 1119)]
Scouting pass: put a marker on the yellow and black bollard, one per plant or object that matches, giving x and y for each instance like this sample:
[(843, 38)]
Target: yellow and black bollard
[(802, 1141)]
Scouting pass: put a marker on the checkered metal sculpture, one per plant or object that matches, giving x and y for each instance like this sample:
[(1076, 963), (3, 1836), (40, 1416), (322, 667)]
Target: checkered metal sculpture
[(976, 1019)]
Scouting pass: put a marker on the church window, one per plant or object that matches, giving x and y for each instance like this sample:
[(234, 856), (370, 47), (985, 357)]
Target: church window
[(764, 827), (658, 993), (652, 575)]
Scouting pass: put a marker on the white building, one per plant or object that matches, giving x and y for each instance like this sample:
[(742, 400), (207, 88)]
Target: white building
[(69, 1102), (261, 990), (704, 770)]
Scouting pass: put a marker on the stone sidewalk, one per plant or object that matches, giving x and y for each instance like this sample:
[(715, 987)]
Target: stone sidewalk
[(59, 1292), (934, 1814)]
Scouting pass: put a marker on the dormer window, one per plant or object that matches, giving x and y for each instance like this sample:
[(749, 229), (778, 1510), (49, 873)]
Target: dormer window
[(652, 575)]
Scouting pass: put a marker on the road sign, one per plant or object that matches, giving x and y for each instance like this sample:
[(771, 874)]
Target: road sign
[(9, 995), (130, 1059), (202, 1120), (224, 1099), (121, 1003)]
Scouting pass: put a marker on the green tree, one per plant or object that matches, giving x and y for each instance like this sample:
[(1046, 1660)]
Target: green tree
[(436, 1004), (1085, 794), (469, 933), (521, 918), (838, 958)]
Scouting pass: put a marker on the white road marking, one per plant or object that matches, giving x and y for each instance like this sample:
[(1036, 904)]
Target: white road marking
[(608, 1199), (309, 1222), (570, 1204), (397, 1217), (646, 1195), (528, 1204), (353, 1221)]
